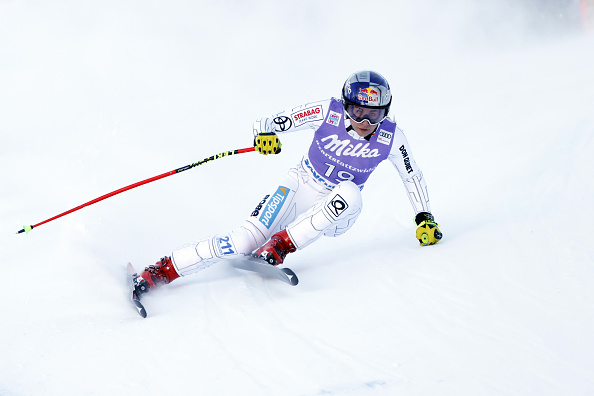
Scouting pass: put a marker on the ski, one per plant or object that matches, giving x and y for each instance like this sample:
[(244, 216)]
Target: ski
[(134, 295), (253, 264)]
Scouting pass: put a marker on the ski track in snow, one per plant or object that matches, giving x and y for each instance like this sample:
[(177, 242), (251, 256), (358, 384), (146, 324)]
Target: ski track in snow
[(497, 109)]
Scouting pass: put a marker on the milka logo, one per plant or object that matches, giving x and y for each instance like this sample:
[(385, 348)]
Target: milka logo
[(345, 147)]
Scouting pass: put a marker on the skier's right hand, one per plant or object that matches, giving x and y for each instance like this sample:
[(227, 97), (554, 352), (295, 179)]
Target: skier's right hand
[(267, 143)]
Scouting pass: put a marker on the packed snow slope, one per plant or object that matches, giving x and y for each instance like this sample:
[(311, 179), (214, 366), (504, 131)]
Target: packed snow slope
[(497, 107)]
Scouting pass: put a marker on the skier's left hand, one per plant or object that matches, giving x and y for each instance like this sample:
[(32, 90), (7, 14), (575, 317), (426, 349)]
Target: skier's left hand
[(428, 232)]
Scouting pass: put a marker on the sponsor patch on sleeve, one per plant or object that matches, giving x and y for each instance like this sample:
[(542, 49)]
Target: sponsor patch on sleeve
[(282, 123), (309, 114)]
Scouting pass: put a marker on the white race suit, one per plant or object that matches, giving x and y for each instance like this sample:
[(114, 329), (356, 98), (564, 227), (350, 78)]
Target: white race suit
[(319, 196)]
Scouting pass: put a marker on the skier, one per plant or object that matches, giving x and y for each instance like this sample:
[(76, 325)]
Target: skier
[(322, 194)]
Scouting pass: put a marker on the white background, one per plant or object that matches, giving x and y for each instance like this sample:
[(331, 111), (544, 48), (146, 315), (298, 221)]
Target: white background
[(496, 102)]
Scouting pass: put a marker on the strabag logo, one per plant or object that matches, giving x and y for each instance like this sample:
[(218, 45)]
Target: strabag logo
[(274, 206), (337, 205), (334, 118), (307, 115), (384, 137)]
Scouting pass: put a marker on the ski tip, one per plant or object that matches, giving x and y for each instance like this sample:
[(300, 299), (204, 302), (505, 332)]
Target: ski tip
[(140, 308), (135, 296), (292, 276)]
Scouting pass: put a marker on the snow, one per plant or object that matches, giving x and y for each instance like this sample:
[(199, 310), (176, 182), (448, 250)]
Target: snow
[(498, 111)]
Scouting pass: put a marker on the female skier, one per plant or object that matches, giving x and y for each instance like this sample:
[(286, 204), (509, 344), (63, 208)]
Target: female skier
[(322, 194)]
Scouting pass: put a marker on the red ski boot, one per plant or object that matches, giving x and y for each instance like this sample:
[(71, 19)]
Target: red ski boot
[(276, 248), (156, 275)]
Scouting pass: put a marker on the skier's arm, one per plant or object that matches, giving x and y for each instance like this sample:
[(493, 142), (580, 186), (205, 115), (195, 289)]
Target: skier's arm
[(304, 117), (401, 157), (307, 116), (412, 177)]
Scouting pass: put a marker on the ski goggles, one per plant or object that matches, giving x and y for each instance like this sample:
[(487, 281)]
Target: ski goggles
[(359, 114)]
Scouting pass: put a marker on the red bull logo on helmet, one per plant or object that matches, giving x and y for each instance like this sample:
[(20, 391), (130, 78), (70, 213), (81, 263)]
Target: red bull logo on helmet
[(369, 95)]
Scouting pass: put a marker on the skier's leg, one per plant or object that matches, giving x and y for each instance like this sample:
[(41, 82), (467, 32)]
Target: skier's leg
[(274, 213), (198, 256), (234, 244), (332, 216)]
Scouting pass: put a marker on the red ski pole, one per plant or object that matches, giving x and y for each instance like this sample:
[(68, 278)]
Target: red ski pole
[(26, 229)]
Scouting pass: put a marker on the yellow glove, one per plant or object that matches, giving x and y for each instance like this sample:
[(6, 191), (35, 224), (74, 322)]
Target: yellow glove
[(267, 143), (428, 232)]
